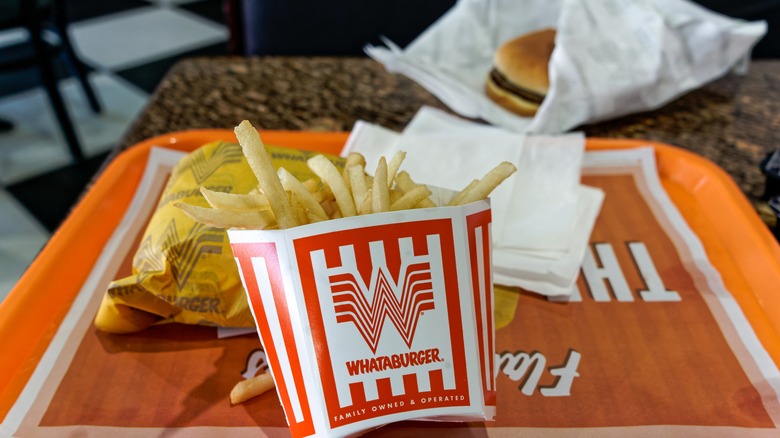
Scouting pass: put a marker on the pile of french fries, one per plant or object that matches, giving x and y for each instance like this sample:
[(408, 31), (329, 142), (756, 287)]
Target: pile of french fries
[(281, 201)]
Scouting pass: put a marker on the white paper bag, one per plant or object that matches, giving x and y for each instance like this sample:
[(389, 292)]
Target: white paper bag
[(611, 57)]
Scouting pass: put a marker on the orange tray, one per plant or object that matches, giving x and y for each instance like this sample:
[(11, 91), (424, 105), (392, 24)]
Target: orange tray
[(737, 242)]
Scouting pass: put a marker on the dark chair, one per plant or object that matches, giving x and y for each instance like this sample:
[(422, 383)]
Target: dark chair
[(326, 28), (38, 16)]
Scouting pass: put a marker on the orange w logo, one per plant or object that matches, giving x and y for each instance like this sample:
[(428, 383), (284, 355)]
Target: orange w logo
[(351, 304)]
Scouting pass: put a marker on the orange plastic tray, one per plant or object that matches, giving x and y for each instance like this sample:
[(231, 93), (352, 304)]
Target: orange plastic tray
[(737, 242)]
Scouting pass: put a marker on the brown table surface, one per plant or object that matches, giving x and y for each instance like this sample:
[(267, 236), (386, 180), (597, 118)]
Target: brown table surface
[(734, 121)]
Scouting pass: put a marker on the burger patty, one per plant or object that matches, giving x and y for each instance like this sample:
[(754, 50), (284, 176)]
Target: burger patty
[(524, 93)]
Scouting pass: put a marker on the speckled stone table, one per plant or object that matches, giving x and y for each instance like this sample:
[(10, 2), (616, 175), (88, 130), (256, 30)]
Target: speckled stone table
[(733, 121)]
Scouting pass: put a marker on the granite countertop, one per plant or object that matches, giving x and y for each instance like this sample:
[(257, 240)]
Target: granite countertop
[(734, 121)]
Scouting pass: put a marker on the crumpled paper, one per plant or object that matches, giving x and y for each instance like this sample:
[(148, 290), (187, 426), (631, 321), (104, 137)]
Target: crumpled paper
[(542, 215), (611, 58)]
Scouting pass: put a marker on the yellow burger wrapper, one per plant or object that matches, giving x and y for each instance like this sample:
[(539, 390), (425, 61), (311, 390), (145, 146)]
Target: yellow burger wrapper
[(506, 299), (183, 271)]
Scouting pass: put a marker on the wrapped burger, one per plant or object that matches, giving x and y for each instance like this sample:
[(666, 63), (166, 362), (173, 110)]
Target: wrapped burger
[(183, 270)]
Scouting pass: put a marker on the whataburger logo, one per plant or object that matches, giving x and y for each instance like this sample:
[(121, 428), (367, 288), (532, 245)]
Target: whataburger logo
[(351, 304), (383, 306), (367, 307)]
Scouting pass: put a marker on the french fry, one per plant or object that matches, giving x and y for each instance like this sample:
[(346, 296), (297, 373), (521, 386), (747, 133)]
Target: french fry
[(235, 201), (308, 202), (330, 207), (299, 211), (393, 166), (395, 194), (249, 219), (329, 175), (315, 188), (353, 159), (357, 178), (252, 387), (326, 192), (312, 185), (405, 183), (260, 163), (411, 198), (490, 181), (380, 200), (365, 204), (463, 193), (369, 180)]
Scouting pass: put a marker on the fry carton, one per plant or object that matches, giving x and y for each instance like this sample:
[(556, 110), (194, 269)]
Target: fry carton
[(373, 319)]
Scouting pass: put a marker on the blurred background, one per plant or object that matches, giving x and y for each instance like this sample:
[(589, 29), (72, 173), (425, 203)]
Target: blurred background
[(125, 47)]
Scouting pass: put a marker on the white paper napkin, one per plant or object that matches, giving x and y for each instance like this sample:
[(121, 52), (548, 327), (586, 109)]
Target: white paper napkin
[(542, 216), (611, 57), (553, 274)]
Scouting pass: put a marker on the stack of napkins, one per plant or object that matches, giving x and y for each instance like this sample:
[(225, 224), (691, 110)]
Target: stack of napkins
[(542, 215)]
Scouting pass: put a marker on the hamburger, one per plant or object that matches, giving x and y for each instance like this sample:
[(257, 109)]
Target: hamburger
[(519, 79)]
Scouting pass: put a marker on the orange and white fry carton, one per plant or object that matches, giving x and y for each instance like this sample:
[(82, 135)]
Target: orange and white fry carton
[(374, 319)]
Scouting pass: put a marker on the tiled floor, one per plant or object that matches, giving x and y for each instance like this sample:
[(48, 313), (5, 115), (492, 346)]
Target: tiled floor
[(128, 46)]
